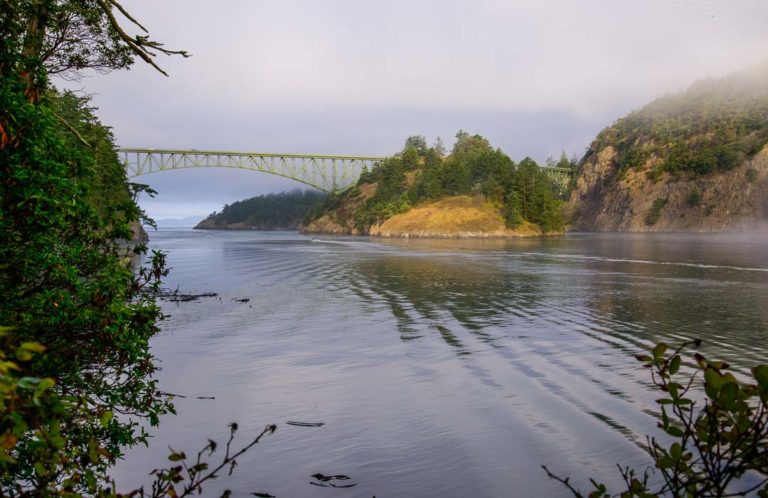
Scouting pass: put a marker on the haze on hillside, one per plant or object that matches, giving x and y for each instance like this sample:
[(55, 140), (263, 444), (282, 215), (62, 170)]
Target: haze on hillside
[(351, 77)]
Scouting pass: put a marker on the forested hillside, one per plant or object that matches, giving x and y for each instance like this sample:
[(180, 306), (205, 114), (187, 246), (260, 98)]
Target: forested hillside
[(713, 126), (421, 174), (285, 210), (691, 161)]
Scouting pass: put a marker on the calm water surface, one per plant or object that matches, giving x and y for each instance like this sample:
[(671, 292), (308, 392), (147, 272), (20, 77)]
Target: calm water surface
[(440, 368)]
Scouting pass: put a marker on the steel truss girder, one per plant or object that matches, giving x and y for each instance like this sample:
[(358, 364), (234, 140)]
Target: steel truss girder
[(560, 176), (324, 172)]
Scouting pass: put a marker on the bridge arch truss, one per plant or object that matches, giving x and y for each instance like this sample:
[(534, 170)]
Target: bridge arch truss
[(559, 176), (324, 172)]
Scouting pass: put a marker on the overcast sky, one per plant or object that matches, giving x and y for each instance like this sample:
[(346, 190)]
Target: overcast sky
[(357, 77)]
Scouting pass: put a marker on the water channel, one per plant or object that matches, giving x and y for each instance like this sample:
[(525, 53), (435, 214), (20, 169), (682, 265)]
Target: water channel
[(439, 367)]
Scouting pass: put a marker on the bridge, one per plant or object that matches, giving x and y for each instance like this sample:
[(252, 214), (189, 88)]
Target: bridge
[(323, 172)]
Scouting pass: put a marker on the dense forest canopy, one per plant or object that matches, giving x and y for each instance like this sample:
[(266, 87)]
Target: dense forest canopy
[(270, 211), (713, 126), (421, 174)]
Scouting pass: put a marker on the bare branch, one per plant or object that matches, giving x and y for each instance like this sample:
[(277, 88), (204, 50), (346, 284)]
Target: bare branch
[(140, 45), (127, 15), (565, 482)]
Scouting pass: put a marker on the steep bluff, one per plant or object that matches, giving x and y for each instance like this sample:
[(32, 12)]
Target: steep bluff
[(607, 199)]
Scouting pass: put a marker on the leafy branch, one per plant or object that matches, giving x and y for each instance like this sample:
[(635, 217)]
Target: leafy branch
[(718, 438), (194, 474)]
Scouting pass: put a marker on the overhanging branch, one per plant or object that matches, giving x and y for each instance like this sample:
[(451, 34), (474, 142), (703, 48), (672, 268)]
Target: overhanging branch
[(140, 45)]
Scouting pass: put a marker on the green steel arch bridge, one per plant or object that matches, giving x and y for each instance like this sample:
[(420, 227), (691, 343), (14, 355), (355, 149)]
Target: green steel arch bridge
[(324, 172)]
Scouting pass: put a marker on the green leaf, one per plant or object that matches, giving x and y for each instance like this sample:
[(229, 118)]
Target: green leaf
[(23, 355), (674, 431), (27, 350), (674, 365), (713, 378), (106, 418), (761, 375), (34, 347), (28, 382), (659, 350), (729, 392), (676, 451)]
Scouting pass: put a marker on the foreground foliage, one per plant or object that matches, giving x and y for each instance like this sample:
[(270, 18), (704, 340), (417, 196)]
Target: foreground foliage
[(64, 283), (33, 405), (715, 443), (76, 374)]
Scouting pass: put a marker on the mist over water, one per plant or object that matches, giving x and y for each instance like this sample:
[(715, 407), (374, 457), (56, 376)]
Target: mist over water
[(440, 367)]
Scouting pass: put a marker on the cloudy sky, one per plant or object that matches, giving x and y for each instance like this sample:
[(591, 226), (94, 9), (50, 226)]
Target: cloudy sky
[(536, 77)]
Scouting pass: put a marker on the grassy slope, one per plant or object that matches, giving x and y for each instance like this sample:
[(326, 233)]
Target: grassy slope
[(459, 216)]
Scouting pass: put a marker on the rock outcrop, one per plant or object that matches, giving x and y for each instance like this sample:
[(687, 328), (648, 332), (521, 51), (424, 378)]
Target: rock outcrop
[(340, 220), (607, 198)]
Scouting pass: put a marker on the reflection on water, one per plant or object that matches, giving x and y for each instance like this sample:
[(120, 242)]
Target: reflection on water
[(441, 367)]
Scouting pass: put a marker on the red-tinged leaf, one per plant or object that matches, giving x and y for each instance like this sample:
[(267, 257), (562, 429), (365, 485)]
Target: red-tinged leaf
[(700, 360)]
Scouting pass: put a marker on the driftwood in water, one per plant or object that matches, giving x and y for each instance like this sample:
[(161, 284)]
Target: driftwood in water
[(328, 481), (306, 424), (177, 296)]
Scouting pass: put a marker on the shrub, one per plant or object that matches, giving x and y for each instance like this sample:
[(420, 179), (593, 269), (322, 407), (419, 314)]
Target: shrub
[(716, 439), (751, 175), (694, 198), (653, 215)]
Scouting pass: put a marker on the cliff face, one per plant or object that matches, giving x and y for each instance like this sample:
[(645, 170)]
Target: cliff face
[(608, 198), (341, 220), (139, 234)]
